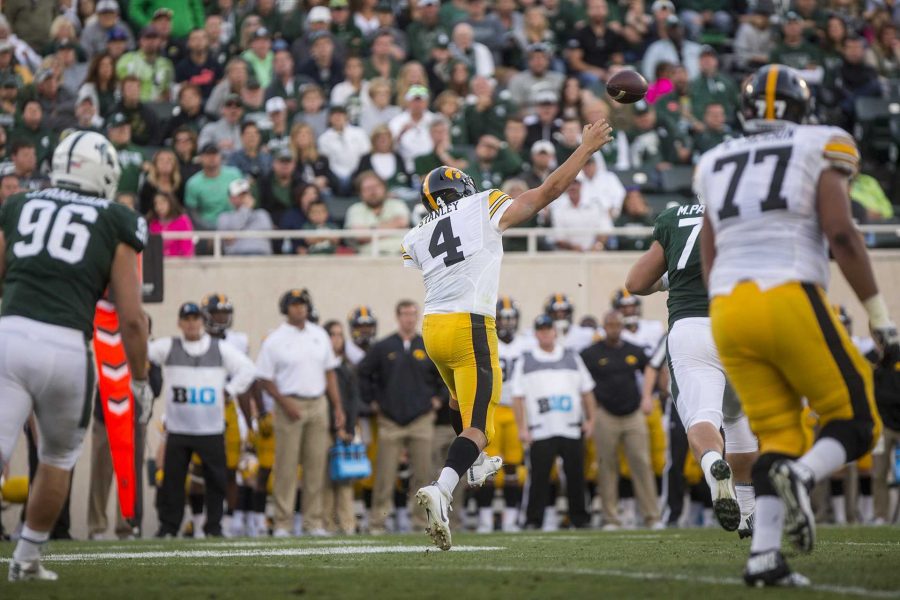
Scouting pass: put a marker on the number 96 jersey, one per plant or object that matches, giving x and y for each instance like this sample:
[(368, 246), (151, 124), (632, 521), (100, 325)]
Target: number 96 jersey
[(760, 193), (459, 249)]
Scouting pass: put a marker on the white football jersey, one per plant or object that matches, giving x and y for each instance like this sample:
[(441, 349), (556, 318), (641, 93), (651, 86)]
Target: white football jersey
[(761, 197), (459, 248), (647, 335), (239, 340), (509, 354)]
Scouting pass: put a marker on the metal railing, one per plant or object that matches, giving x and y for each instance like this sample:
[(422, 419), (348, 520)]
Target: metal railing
[(377, 237)]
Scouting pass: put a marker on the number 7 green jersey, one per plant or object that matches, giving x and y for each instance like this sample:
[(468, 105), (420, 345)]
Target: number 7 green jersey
[(677, 230), (60, 246)]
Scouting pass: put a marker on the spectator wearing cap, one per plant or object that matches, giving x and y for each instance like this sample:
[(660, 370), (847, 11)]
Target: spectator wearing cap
[(145, 129), (276, 130), (795, 50), (489, 169), (73, 71), (347, 36), (542, 162), (439, 64), (26, 166), (424, 30), (675, 49), (296, 368), (28, 19), (554, 409), (411, 127), (259, 56), (382, 62), (754, 42), (353, 91), (244, 217), (475, 55), (225, 133), (660, 11), (57, 102), (380, 111), (595, 45), (486, 27), (22, 51), (524, 85), (117, 43), (10, 66), (707, 16), (253, 159), (131, 158), (189, 111), (101, 82), (186, 15), (31, 129), (95, 34), (199, 372), (86, 112), (444, 153), (277, 188), (376, 210), (154, 72), (206, 192), (711, 87), (285, 84), (318, 19), (613, 364), (322, 67), (343, 145), (573, 210), (199, 67), (545, 122), (253, 99)]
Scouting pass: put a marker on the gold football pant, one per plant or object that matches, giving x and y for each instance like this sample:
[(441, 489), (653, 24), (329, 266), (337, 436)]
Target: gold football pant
[(784, 344), (463, 346), (507, 445)]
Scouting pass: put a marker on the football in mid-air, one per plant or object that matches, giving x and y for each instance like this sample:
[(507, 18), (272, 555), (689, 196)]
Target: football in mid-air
[(627, 86)]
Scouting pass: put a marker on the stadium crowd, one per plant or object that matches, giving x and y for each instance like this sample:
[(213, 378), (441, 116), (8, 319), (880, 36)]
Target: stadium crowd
[(323, 115), (328, 112)]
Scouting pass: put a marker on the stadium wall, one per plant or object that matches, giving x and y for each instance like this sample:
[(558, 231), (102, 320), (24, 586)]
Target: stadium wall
[(337, 285)]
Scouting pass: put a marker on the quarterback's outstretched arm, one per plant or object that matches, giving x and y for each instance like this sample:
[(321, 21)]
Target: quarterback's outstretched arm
[(849, 250), (593, 137), (645, 276)]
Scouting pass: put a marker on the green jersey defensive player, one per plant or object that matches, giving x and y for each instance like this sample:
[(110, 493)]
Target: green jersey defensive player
[(703, 398), (61, 248)]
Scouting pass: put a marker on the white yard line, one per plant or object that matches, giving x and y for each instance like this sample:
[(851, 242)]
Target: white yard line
[(631, 574), (225, 553)]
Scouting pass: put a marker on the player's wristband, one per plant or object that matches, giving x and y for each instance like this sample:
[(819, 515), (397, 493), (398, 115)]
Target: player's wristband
[(878, 312)]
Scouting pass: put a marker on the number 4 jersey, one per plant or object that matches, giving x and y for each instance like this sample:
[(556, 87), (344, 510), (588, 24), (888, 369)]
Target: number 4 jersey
[(60, 246), (760, 196), (459, 249)]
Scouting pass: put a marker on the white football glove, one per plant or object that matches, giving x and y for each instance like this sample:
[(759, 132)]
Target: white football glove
[(883, 328), (143, 399)]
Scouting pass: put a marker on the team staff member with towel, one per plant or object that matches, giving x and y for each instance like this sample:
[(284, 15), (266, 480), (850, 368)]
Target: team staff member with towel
[(196, 368)]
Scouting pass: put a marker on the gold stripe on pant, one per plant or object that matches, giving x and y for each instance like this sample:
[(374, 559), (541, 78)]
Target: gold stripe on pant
[(301, 442)]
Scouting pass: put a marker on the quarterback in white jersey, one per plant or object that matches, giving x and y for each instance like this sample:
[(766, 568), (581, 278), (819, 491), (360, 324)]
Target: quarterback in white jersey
[(776, 203), (458, 247)]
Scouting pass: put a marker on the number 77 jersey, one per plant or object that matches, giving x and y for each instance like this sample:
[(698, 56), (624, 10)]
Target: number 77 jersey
[(760, 194), (459, 248)]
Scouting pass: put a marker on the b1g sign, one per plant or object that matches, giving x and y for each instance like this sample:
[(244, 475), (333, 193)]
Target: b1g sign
[(152, 268)]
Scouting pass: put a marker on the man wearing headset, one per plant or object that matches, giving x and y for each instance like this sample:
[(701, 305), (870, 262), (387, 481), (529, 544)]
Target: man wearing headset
[(295, 367)]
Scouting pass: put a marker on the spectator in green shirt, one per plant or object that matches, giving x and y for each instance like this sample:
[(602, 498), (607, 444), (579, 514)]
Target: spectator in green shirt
[(260, 56), (156, 73), (794, 50), (716, 129), (348, 37), (206, 193), (713, 87), (131, 158), (187, 15), (425, 29), (444, 153)]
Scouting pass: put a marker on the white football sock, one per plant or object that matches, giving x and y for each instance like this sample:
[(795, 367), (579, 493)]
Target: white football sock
[(769, 524), (28, 548), (825, 457), (551, 519), (447, 480), (839, 508), (706, 463), (866, 508), (485, 519), (746, 497), (198, 520), (510, 518)]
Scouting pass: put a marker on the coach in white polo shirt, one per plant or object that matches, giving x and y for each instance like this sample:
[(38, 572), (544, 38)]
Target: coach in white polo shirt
[(295, 367), (554, 408)]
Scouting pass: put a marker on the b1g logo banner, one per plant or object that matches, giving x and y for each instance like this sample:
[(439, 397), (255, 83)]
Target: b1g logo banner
[(190, 395)]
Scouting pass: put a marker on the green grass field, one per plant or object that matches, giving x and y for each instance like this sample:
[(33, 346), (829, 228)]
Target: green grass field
[(700, 564)]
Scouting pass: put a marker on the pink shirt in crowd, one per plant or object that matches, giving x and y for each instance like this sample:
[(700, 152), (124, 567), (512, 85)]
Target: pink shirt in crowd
[(175, 247)]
